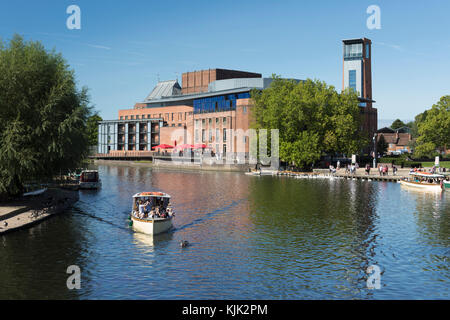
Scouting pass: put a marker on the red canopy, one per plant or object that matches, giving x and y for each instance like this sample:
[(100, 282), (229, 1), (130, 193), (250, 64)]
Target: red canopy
[(200, 146), (163, 146), (184, 146)]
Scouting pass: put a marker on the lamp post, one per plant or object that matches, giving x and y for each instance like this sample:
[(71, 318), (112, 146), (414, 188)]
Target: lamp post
[(374, 150)]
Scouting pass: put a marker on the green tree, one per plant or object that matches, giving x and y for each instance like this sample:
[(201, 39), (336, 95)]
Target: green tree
[(397, 124), (434, 129), (382, 145), (42, 115), (312, 119), (92, 128)]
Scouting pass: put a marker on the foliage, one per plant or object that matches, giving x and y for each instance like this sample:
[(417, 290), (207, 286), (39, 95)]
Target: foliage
[(42, 115), (382, 145), (397, 124), (312, 119), (434, 129), (92, 128)]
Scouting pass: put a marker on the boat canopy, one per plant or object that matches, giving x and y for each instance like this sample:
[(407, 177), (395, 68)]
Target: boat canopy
[(151, 195), (427, 175)]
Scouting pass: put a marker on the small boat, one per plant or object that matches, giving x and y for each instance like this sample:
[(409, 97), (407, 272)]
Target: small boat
[(424, 181), (446, 182), (152, 212), (34, 190), (90, 179)]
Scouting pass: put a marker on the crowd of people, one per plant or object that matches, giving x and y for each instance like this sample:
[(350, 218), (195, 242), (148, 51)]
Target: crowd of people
[(148, 210)]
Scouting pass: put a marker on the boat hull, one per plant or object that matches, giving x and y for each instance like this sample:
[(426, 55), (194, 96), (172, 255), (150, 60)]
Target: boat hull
[(422, 186), (155, 226), (447, 185), (90, 185)]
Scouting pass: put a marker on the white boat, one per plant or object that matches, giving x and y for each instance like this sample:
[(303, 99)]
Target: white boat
[(34, 190), (152, 212), (424, 181), (90, 179)]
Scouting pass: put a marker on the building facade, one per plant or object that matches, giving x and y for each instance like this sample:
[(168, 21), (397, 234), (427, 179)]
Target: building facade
[(357, 75)]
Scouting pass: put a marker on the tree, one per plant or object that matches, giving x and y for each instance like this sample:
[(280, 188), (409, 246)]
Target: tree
[(42, 115), (382, 145), (434, 129), (312, 119), (397, 124), (92, 128)]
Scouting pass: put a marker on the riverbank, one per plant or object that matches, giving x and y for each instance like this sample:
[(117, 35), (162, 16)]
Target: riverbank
[(25, 212), (178, 165)]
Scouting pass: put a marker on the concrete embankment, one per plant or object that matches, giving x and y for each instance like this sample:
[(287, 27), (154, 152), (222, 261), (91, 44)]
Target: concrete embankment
[(179, 165), (28, 211)]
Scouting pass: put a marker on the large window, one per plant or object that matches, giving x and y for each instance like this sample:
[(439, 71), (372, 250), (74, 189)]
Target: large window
[(352, 79), (224, 134), (353, 50), (218, 103)]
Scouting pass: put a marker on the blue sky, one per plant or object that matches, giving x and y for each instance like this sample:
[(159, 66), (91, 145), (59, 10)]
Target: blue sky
[(123, 46)]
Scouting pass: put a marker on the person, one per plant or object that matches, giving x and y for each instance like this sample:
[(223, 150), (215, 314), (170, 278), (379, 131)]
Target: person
[(387, 169), (394, 170), (346, 169), (338, 165), (141, 209), (380, 169), (368, 169)]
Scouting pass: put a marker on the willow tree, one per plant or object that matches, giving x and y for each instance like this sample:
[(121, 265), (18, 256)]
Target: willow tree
[(42, 115), (313, 119)]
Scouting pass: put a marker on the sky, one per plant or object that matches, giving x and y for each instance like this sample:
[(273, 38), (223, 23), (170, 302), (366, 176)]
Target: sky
[(124, 47)]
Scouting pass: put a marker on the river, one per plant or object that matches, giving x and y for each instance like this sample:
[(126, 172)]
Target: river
[(251, 238)]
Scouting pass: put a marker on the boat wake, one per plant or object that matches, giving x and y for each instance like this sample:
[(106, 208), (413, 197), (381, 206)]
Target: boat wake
[(207, 216)]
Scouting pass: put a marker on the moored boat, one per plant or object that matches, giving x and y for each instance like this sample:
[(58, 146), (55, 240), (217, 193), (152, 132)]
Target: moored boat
[(90, 179), (152, 212), (424, 181), (446, 182)]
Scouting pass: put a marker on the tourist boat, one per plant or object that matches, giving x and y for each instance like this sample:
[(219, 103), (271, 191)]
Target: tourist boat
[(90, 179), (424, 181), (446, 182), (152, 212)]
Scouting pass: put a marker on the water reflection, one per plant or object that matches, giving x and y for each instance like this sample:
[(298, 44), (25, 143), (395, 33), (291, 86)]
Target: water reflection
[(251, 238)]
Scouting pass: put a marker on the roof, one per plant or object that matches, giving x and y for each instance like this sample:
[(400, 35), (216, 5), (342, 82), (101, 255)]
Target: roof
[(164, 89), (151, 194)]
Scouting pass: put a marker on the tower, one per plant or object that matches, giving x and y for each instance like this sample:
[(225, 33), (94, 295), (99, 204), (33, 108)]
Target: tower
[(357, 74)]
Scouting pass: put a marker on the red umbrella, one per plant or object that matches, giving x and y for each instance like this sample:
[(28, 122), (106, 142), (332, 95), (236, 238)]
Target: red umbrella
[(184, 146), (200, 146), (163, 146)]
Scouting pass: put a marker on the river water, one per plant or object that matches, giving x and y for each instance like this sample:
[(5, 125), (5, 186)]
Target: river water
[(251, 238)]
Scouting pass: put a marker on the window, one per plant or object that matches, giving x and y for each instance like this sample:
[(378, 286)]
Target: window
[(210, 135), (217, 134), (121, 117), (172, 116), (245, 139), (210, 122), (352, 79), (224, 134), (203, 135), (196, 135), (217, 121), (137, 116), (132, 117), (126, 117), (244, 109), (224, 149), (367, 51), (224, 121)]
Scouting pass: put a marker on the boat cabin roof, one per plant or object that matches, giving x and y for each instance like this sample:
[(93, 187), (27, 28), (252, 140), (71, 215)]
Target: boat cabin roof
[(427, 175), (151, 194)]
